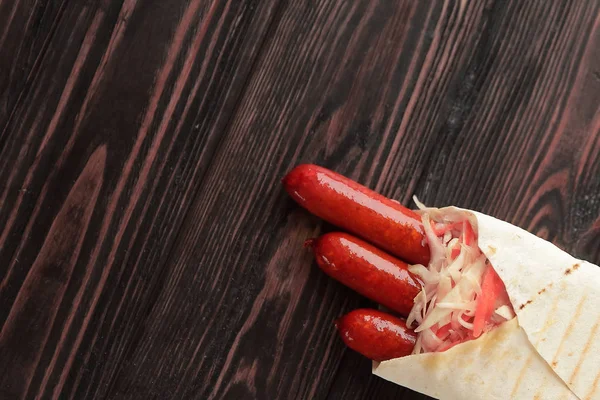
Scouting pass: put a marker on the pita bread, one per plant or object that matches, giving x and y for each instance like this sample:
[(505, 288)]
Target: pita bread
[(550, 351)]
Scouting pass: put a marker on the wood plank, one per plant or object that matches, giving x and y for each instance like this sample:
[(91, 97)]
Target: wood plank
[(25, 30), (521, 138), (536, 125), (112, 141), (456, 103), (243, 313)]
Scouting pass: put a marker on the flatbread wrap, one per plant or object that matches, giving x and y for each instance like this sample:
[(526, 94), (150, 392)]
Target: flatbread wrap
[(551, 350)]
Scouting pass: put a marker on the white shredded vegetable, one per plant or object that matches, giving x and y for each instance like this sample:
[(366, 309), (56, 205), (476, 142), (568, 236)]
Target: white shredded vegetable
[(444, 310), (505, 312)]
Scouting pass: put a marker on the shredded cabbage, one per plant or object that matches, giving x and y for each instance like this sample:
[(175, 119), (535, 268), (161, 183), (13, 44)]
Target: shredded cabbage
[(451, 300)]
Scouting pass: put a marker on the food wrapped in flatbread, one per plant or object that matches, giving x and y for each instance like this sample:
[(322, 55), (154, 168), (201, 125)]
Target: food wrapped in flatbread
[(550, 350)]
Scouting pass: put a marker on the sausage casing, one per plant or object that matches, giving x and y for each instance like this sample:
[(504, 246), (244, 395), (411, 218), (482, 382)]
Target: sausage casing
[(376, 335), (367, 270), (357, 209)]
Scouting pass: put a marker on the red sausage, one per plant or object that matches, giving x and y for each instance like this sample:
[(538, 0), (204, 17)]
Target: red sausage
[(355, 208), (366, 269), (376, 335)]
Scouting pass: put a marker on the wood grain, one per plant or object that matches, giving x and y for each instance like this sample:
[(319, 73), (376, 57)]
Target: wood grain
[(247, 246), (240, 256), (154, 85), (26, 28), (37, 302), (147, 249), (514, 95), (242, 306)]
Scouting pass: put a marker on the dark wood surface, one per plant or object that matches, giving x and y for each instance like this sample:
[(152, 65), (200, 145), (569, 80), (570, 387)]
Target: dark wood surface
[(147, 249)]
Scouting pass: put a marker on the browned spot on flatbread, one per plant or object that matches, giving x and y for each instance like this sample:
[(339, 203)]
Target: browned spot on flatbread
[(491, 250), (522, 306), (530, 358), (541, 392), (550, 319), (585, 351), (574, 267), (432, 363), (570, 326), (546, 288), (521, 375), (590, 395), (554, 363)]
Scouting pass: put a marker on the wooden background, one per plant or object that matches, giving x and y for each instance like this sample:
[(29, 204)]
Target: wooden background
[(147, 249)]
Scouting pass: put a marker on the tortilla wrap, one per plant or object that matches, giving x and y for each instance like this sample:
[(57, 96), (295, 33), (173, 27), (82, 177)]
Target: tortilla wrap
[(551, 350)]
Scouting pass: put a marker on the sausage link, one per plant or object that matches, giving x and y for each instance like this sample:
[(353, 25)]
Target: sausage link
[(376, 335), (366, 269), (355, 208)]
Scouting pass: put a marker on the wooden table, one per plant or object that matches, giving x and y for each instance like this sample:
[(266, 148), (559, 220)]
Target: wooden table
[(147, 249)]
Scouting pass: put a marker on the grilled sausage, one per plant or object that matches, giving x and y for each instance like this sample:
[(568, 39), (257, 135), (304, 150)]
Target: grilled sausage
[(357, 209), (366, 269), (376, 335)]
